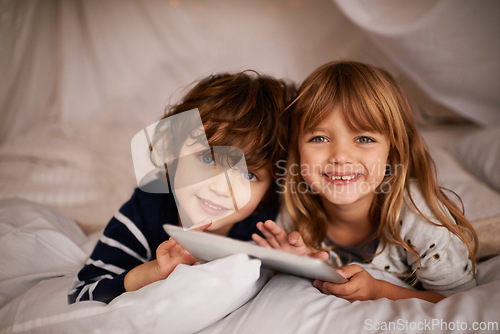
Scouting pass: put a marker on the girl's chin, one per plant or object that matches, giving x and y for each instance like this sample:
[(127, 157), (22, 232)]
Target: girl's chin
[(349, 199)]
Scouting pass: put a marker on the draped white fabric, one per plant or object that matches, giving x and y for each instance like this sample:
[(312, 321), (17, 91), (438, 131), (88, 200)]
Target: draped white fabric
[(121, 61), (449, 48)]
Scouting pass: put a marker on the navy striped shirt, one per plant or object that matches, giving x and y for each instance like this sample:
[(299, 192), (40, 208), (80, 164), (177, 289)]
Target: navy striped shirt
[(131, 239)]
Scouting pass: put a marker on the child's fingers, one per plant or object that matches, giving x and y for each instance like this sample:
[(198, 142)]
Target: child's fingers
[(166, 246), (277, 231), (172, 249), (295, 239), (270, 237), (179, 254), (343, 290), (323, 256), (349, 270), (260, 241)]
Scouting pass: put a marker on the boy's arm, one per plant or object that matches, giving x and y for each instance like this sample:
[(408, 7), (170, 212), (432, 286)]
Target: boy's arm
[(168, 255), (102, 276), (122, 246)]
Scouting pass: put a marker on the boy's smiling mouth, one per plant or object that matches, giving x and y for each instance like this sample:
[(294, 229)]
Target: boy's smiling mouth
[(210, 207)]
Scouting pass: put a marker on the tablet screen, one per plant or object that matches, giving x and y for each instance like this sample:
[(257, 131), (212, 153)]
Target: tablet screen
[(207, 247)]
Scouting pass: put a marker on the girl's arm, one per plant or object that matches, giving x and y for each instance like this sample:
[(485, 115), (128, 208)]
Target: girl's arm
[(362, 286), (395, 292)]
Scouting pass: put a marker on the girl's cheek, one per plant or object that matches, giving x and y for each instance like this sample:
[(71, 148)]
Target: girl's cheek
[(305, 172), (308, 179)]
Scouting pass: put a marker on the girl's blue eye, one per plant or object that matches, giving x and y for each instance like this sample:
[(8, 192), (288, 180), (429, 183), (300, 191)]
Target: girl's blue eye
[(206, 157), (365, 140), (318, 139), (249, 176)]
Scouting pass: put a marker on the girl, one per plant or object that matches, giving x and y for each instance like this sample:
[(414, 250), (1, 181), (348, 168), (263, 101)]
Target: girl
[(361, 185), (241, 110)]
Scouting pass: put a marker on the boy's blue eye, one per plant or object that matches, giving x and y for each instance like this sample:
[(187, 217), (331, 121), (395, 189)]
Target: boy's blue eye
[(206, 157), (249, 176), (365, 140), (318, 139)]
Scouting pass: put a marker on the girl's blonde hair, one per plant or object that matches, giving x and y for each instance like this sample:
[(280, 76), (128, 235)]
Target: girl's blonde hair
[(371, 100)]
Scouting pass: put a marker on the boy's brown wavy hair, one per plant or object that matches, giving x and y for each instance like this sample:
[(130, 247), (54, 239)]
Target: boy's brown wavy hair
[(245, 110)]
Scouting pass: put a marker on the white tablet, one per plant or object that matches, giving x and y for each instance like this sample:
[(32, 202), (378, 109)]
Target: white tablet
[(207, 247)]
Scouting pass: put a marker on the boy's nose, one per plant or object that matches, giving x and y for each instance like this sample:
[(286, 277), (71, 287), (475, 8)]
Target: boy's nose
[(218, 185)]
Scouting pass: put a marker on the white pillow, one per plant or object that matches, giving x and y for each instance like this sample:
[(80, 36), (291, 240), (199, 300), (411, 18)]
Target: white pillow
[(480, 201), (480, 154), (36, 243), (190, 299)]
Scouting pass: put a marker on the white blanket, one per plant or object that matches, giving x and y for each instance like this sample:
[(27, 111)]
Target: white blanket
[(290, 304), (42, 249)]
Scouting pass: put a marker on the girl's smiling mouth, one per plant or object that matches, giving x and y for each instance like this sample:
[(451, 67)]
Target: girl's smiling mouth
[(339, 178), (210, 207)]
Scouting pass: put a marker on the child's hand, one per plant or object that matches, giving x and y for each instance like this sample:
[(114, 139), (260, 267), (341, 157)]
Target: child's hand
[(277, 238), (361, 285), (168, 255)]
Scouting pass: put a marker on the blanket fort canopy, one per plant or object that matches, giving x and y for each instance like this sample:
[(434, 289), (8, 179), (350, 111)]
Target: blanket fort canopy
[(120, 61)]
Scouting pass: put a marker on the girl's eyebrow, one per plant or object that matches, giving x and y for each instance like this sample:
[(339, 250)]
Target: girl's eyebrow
[(315, 130)]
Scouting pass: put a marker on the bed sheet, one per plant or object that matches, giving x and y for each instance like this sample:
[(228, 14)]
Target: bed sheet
[(224, 296), (290, 304)]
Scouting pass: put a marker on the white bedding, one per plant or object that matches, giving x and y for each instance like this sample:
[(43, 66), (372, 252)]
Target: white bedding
[(34, 294), (206, 298), (290, 304)]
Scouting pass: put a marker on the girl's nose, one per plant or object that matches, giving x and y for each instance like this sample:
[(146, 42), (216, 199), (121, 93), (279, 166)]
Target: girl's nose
[(219, 186), (340, 153)]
